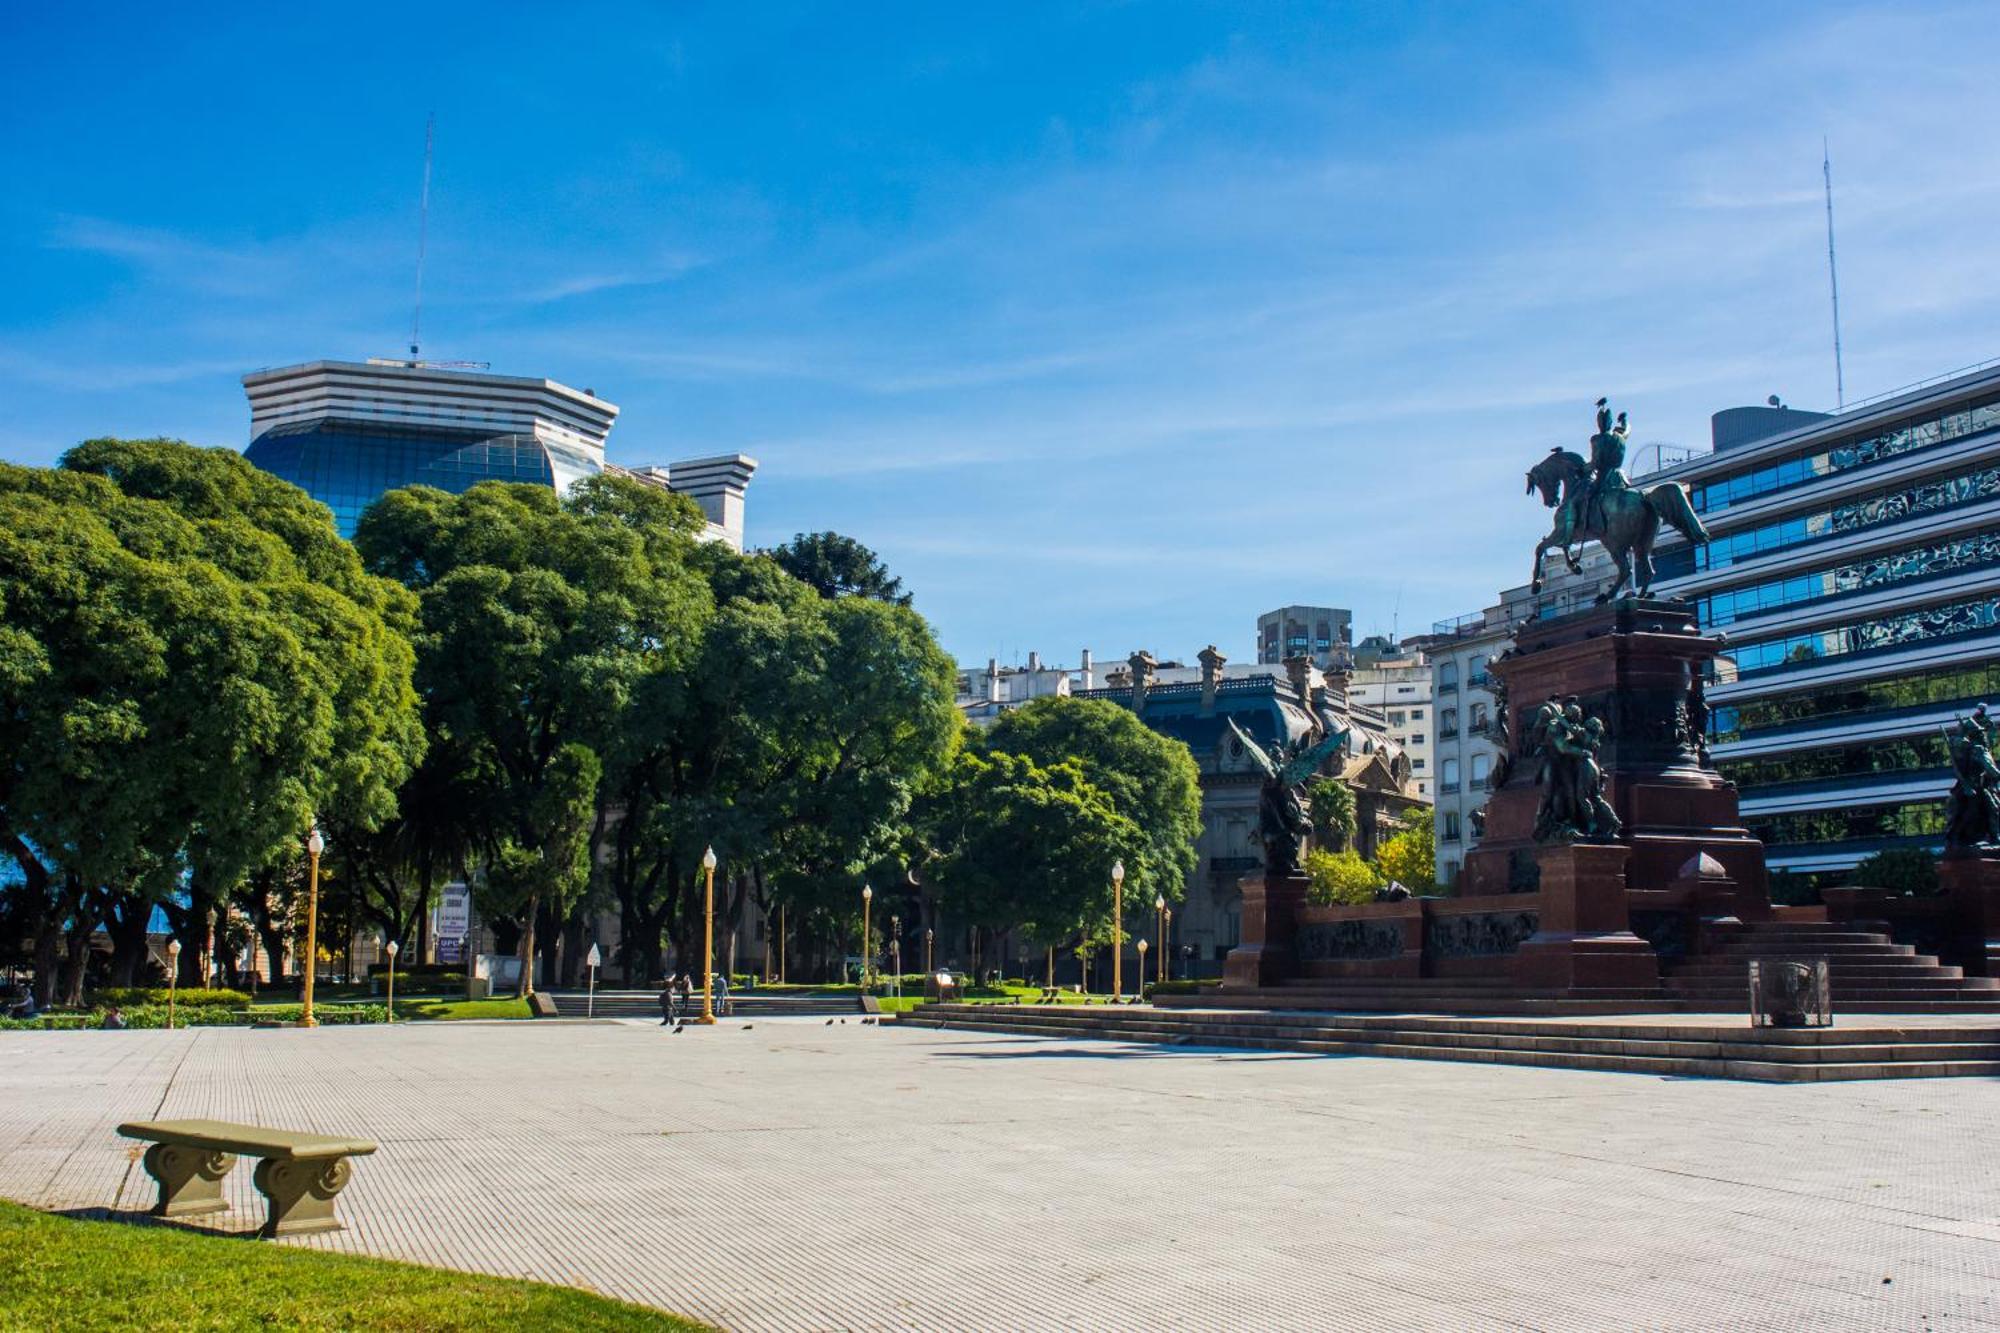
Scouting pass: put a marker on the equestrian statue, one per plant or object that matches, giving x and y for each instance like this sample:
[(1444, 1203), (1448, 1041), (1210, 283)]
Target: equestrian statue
[(1594, 501)]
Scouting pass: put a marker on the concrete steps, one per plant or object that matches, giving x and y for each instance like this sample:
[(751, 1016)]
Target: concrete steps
[(1695, 1048)]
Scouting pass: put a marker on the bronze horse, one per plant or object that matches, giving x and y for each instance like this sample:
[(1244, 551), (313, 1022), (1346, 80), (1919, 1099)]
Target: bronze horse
[(1625, 520)]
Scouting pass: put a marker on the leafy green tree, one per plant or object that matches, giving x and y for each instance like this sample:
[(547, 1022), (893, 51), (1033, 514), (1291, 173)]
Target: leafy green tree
[(539, 620), (1911, 871), (1332, 803), (1019, 845), (1410, 858), (836, 566), (1150, 779), (194, 664), (1341, 877)]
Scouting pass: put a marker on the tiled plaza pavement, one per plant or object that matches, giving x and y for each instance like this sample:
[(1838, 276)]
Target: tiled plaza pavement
[(797, 1176)]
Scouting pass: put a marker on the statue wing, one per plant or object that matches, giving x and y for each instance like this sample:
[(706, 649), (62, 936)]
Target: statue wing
[(1264, 762), (1305, 763)]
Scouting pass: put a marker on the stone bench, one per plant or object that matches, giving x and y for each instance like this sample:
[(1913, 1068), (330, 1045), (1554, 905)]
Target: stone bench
[(299, 1174)]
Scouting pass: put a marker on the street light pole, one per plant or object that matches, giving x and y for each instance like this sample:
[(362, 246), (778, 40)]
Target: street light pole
[(173, 977), (708, 939), (392, 951), (1142, 967), (315, 844), (1160, 919), (867, 958), (1117, 939), (929, 968), (896, 954)]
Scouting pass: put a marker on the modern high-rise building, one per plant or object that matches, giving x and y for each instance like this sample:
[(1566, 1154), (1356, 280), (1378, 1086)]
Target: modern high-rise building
[(1323, 633), (346, 432), (1855, 568)]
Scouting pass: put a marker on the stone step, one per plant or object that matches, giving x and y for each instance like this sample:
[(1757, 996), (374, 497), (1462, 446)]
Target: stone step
[(1403, 1002), (1763, 1054), (1739, 969), (1778, 949)]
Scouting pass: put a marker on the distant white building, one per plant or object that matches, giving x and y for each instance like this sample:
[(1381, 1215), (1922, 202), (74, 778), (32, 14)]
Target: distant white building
[(1398, 688)]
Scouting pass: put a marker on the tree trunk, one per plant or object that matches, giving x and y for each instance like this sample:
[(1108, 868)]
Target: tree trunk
[(126, 923), (527, 952)]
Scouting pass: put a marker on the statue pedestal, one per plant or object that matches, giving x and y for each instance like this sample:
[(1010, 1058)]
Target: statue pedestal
[(1585, 940), (1270, 922), (1637, 664), (1971, 880)]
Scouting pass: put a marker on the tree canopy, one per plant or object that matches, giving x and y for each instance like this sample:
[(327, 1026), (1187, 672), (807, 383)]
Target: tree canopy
[(194, 664), (836, 566)]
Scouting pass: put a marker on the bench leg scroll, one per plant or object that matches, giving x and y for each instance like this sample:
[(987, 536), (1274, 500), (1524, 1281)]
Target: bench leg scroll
[(190, 1179), (301, 1194)]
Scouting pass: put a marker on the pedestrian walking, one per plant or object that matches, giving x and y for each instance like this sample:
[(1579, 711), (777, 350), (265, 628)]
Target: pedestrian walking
[(669, 1005)]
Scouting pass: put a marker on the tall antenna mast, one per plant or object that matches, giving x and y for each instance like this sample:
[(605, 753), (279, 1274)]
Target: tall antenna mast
[(423, 232), (1833, 273)]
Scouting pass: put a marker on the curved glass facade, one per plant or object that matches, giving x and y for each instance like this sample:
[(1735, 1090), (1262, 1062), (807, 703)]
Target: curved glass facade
[(346, 466)]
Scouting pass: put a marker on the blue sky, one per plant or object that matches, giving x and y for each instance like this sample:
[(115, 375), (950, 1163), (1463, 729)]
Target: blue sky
[(1107, 324)]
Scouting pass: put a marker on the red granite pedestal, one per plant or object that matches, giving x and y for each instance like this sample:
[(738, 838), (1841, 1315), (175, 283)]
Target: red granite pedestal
[(1266, 956), (1638, 665), (1584, 942), (1971, 881)]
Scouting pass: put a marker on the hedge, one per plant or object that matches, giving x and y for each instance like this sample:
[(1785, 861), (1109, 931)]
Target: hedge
[(186, 997)]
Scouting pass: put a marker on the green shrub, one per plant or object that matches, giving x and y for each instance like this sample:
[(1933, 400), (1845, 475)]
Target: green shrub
[(329, 1015), (1178, 987), (186, 997), (1910, 871), (1341, 878)]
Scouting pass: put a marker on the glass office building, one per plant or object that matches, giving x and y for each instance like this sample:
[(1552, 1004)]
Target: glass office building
[(1855, 568), (346, 432)]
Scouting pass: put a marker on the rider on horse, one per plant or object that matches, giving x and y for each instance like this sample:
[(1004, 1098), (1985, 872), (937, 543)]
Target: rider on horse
[(1584, 514)]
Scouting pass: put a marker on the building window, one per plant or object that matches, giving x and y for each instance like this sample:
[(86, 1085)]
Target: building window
[(1395, 717), (1416, 765), (1451, 826), (1406, 689), (1447, 677), (1476, 677), (1416, 715), (1481, 765), (1447, 723), (1448, 779), (1479, 717)]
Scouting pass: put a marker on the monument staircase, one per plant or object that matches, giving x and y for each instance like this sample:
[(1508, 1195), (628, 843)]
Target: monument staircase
[(1869, 972), (1663, 1047)]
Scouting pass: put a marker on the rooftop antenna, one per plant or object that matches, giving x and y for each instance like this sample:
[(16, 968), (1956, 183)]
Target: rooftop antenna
[(1832, 274), (423, 231)]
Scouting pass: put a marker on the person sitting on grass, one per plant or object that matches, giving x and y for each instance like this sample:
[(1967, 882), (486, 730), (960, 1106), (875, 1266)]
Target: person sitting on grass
[(114, 1020)]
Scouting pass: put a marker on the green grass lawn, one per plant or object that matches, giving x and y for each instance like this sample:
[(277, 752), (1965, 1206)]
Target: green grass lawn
[(505, 1007), (56, 1272)]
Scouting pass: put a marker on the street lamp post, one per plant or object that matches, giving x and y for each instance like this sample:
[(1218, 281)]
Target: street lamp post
[(392, 951), (867, 958), (896, 954), (928, 968), (173, 977), (315, 844), (708, 939), (1142, 966), (1117, 939), (1160, 917)]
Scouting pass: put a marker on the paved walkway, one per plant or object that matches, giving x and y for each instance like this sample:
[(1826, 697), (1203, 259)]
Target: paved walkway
[(796, 1176)]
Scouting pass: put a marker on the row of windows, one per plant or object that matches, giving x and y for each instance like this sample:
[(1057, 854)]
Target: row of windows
[(347, 469), (1959, 684), (1842, 761), (1910, 819), (1924, 432), (1879, 571), (1935, 622), (1396, 716), (1447, 678), (1891, 504), (1482, 764)]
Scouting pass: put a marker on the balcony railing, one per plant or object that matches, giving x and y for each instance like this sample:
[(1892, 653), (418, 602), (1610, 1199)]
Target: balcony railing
[(1447, 687), (1448, 734), (1447, 789)]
